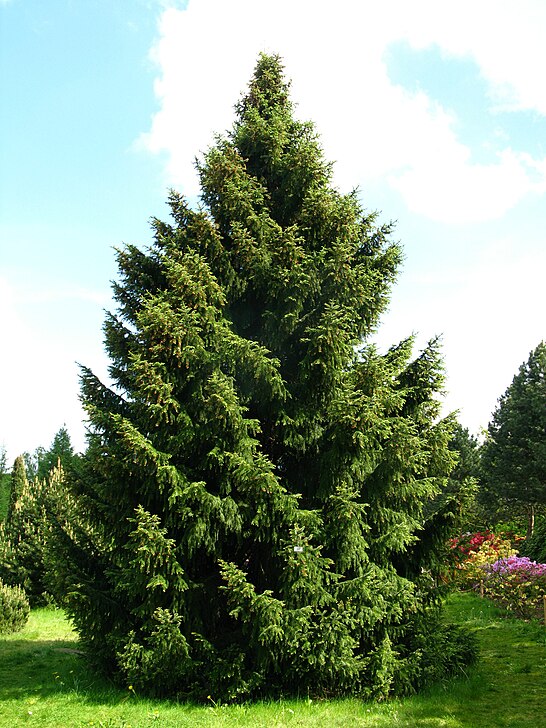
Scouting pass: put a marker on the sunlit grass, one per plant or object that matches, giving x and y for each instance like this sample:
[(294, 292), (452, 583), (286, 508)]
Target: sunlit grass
[(45, 682)]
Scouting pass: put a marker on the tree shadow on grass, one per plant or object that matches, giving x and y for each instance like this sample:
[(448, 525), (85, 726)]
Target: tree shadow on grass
[(43, 668)]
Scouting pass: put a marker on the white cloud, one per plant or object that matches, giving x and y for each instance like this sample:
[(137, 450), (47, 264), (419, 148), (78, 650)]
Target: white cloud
[(490, 315), (61, 293), (335, 56), (506, 39), (471, 192), (493, 329), (44, 358), (491, 309)]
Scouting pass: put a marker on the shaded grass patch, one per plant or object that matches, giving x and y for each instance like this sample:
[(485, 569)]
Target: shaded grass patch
[(45, 682)]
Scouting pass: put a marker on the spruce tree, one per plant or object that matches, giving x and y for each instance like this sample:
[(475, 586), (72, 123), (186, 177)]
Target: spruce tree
[(514, 454), (60, 453), (248, 517), (461, 491)]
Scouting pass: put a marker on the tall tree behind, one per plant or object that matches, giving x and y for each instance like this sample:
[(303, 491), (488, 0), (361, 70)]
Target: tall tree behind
[(249, 513), (18, 485), (60, 453), (24, 536), (464, 480), (514, 454), (32, 461), (5, 482), (41, 462)]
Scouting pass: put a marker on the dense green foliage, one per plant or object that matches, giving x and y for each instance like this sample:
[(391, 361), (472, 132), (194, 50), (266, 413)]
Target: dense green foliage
[(514, 455), (24, 535), (461, 490), (249, 514), (467, 448), (18, 485), (25, 558), (535, 546), (42, 461), (14, 608), (5, 482), (60, 453)]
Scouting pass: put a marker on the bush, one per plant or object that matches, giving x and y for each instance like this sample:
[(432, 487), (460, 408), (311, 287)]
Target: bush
[(443, 651), (513, 530), (517, 584), (158, 665), (473, 551), (14, 608), (25, 558)]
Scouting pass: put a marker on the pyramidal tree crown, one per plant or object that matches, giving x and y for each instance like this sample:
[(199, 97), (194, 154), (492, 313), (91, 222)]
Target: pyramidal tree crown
[(248, 518)]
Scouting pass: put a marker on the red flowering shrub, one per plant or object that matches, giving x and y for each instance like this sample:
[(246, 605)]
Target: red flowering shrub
[(473, 551)]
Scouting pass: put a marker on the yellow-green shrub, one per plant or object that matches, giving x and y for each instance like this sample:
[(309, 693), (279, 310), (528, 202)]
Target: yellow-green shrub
[(14, 608), (474, 551)]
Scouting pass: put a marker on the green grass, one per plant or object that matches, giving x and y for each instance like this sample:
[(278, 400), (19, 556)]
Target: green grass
[(44, 682)]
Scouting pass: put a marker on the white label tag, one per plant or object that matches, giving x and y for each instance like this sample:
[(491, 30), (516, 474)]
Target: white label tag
[(298, 549)]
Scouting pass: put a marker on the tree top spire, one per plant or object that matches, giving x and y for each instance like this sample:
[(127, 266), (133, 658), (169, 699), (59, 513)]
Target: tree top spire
[(268, 90)]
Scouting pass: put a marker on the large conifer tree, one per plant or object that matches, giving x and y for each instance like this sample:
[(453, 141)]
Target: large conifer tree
[(249, 514)]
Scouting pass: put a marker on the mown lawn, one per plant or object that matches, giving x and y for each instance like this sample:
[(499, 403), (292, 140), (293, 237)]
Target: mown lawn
[(44, 682)]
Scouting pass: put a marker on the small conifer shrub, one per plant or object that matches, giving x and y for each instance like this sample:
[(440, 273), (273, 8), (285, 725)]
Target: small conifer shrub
[(14, 608)]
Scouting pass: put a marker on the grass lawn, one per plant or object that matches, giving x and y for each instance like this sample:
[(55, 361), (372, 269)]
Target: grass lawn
[(44, 682)]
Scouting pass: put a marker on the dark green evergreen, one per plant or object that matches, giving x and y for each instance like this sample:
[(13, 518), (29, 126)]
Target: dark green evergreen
[(60, 453), (467, 448), (535, 545), (24, 534), (248, 518), (514, 454), (41, 462), (462, 488)]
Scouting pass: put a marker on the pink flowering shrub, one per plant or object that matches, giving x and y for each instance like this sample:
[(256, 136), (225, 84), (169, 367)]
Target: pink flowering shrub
[(516, 583)]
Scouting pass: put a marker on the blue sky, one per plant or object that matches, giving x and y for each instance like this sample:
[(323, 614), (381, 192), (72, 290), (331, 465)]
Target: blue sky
[(438, 115)]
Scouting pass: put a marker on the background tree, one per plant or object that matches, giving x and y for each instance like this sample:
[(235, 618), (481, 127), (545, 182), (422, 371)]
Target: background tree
[(535, 546), (25, 531), (39, 463), (24, 536), (514, 454), (32, 461), (4, 483), (18, 485), (60, 452), (249, 514), (462, 487), (464, 480), (467, 448), (8, 529)]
